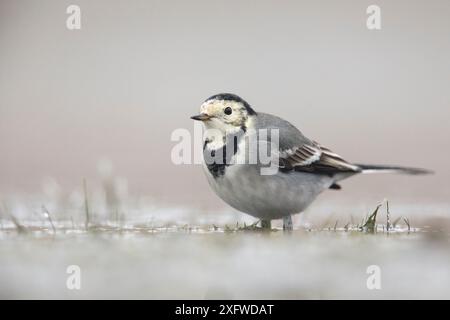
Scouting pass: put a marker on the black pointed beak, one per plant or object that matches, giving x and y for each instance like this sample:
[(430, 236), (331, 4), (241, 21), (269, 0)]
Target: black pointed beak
[(201, 117)]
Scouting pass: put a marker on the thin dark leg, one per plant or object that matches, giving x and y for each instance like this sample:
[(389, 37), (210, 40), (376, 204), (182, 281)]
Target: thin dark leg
[(265, 224), (287, 223)]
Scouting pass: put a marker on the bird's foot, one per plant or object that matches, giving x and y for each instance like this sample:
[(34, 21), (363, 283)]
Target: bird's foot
[(266, 224), (287, 223)]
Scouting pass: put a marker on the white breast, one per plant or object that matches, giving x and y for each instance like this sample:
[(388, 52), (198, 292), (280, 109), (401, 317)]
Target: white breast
[(267, 197)]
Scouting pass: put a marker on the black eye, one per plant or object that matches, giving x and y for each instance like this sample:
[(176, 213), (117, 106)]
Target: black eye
[(228, 111)]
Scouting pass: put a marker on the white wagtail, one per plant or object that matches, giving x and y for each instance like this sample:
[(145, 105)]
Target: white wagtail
[(306, 168)]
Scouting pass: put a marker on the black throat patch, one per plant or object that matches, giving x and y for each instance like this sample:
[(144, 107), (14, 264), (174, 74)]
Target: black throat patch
[(218, 159)]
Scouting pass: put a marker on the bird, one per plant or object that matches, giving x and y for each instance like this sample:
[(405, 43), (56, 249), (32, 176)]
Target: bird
[(304, 168)]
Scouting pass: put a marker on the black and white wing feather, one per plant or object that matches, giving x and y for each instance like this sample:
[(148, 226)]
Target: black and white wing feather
[(297, 152), (314, 158)]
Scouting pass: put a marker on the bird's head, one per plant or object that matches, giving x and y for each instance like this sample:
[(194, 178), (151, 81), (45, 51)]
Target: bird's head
[(225, 112)]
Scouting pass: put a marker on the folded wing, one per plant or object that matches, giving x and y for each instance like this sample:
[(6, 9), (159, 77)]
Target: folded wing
[(315, 158)]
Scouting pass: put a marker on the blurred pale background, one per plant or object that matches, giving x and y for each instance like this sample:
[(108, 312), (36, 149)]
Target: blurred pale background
[(137, 70)]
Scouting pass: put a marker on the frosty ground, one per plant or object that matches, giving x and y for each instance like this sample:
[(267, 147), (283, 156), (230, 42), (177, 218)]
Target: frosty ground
[(216, 261)]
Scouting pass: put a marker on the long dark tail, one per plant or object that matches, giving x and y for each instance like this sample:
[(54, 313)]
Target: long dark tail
[(369, 168)]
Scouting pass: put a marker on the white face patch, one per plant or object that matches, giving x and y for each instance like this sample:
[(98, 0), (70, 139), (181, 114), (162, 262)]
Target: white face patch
[(225, 113), (227, 117)]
